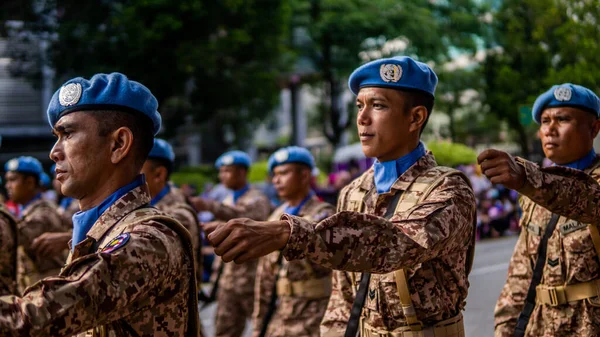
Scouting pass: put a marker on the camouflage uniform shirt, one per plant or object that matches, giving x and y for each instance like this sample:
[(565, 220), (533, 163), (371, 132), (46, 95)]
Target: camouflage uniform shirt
[(571, 256), (141, 288), (38, 217), (430, 241), (235, 296), (295, 315), (175, 205), (8, 257)]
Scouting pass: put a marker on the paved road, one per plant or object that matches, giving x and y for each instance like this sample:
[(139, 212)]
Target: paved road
[(487, 278)]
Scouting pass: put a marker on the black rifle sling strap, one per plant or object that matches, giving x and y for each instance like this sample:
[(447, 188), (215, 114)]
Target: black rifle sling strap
[(215, 288), (272, 300), (523, 319), (361, 294)]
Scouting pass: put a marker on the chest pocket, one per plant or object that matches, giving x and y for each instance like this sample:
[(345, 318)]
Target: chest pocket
[(580, 255)]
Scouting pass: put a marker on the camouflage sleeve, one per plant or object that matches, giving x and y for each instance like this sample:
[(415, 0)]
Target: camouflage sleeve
[(98, 288), (7, 258), (340, 304), (28, 230), (263, 290), (568, 192), (187, 219), (512, 298), (256, 209), (351, 241)]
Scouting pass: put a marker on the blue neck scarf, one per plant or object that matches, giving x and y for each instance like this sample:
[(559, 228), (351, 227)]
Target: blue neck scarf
[(584, 162), (238, 193), (65, 202), (295, 210), (387, 173), (24, 206), (84, 220), (160, 195)]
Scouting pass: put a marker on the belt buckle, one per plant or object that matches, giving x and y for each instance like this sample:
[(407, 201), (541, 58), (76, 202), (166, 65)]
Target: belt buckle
[(553, 293)]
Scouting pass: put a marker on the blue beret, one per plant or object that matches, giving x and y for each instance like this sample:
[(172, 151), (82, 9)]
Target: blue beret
[(291, 154), (162, 150), (24, 164), (233, 158), (45, 179), (566, 94), (103, 91), (399, 72)]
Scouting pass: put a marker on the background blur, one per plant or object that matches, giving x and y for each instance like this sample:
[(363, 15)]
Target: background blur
[(257, 75)]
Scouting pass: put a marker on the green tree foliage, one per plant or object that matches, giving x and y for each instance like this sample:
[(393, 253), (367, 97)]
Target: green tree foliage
[(542, 43), (452, 154), (219, 61), (340, 30)]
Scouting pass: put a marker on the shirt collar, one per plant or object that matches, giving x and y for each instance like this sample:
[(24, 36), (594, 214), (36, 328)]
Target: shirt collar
[(238, 193), (386, 173), (582, 163), (295, 210), (84, 220), (160, 195)]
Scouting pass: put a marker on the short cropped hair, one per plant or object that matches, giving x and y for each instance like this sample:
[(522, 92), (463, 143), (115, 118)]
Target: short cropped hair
[(141, 127)]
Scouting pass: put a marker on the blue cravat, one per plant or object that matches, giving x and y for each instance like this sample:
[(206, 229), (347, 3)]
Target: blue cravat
[(387, 173), (84, 220), (584, 162), (238, 193), (160, 195), (295, 210)]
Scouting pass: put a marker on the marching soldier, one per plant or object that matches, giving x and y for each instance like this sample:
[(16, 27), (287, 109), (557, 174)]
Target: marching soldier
[(553, 276), (8, 257), (130, 271), (406, 220), (235, 294), (38, 216), (301, 287), (168, 198), (54, 244)]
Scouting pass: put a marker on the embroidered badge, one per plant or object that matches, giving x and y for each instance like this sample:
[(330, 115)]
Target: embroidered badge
[(563, 94), (281, 156), (116, 243), (534, 229), (372, 294), (13, 165), (553, 263), (69, 94), (390, 72), (227, 160), (571, 226)]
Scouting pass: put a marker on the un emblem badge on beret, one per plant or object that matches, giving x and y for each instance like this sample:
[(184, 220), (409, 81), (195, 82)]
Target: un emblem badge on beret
[(281, 156), (390, 72), (69, 94), (227, 160), (12, 164), (563, 94)]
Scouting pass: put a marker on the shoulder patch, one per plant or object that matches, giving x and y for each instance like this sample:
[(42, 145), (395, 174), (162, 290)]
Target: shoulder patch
[(116, 243)]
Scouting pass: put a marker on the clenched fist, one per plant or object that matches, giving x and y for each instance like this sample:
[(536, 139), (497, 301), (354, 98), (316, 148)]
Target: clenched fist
[(241, 240), (501, 168)]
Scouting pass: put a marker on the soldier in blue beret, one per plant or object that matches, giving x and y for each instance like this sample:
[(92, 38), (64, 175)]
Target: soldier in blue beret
[(129, 265), (302, 288), (235, 288), (405, 219), (37, 217), (168, 198), (560, 221)]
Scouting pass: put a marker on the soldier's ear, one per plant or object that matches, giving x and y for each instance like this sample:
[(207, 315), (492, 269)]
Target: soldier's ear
[(595, 128), (121, 143), (418, 116)]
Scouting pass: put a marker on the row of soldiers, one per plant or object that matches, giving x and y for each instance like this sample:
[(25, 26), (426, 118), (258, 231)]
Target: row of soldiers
[(401, 241)]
